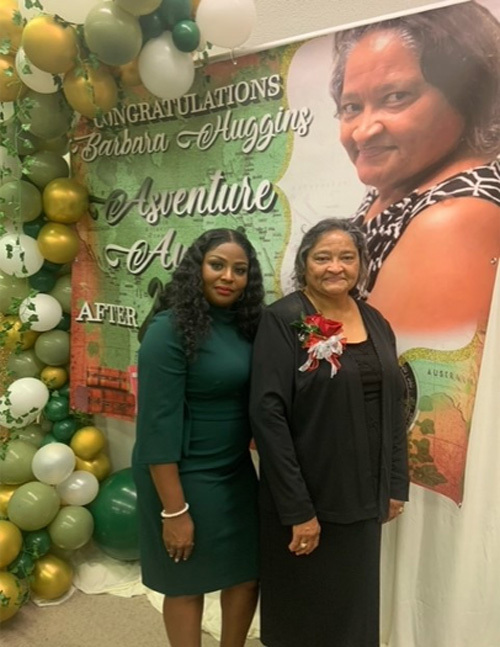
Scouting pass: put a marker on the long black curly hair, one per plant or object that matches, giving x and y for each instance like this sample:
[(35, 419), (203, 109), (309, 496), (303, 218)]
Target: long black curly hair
[(183, 295)]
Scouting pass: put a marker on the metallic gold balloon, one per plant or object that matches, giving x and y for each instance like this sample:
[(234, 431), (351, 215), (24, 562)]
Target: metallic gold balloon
[(129, 74), (11, 541), (12, 594), (93, 91), (50, 45), (52, 577), (54, 376), (6, 491), (9, 29), (58, 243), (65, 200), (15, 339), (10, 83), (88, 442), (100, 466)]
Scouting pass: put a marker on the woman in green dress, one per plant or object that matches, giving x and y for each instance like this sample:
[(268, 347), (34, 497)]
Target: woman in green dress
[(196, 484)]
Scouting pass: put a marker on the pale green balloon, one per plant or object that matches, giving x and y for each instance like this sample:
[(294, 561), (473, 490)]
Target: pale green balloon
[(47, 115), (25, 364), (15, 462), (45, 166), (62, 292), (24, 142), (72, 527), (30, 434), (52, 347), (113, 34), (20, 201), (33, 505), (59, 145), (12, 287)]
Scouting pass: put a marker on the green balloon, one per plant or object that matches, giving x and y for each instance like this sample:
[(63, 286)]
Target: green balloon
[(64, 390), (20, 201), (59, 145), (45, 166), (56, 409), (173, 11), (23, 566), (37, 543), (72, 527), (186, 35), (151, 26), (62, 292), (30, 434), (25, 364), (15, 462), (33, 505), (47, 115), (115, 516), (112, 34), (11, 288), (43, 280), (53, 347), (64, 429), (49, 438), (33, 228), (65, 323), (24, 142)]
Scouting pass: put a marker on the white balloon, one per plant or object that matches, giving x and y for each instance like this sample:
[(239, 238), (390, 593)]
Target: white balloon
[(22, 402), (226, 23), (74, 11), (164, 70), (19, 255), (41, 311), (80, 488), (32, 12), (53, 463), (33, 76)]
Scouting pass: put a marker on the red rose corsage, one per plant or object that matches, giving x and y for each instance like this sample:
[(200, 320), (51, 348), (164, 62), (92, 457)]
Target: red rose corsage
[(323, 339)]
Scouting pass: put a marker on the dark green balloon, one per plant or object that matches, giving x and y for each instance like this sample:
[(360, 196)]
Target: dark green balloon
[(37, 543), (51, 267), (64, 391), (151, 26), (65, 323), (56, 409), (186, 35), (173, 11), (23, 566), (45, 166), (64, 429), (33, 228), (115, 516), (43, 280), (49, 438)]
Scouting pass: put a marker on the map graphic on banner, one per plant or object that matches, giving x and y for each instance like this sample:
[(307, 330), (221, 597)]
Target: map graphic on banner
[(255, 144)]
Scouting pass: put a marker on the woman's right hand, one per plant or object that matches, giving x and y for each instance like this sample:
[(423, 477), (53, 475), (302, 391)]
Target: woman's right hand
[(178, 536), (305, 537)]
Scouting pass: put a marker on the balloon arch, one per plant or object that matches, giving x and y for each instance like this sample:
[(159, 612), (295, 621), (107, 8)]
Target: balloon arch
[(60, 61)]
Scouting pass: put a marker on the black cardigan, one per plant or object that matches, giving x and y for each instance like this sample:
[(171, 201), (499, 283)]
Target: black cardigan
[(310, 429)]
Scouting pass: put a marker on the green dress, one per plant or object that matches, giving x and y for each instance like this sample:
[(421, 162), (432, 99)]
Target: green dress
[(195, 414)]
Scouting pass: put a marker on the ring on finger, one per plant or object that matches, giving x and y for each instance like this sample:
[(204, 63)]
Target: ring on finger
[(303, 544)]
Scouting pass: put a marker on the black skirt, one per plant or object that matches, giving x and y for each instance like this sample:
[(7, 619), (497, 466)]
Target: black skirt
[(327, 599)]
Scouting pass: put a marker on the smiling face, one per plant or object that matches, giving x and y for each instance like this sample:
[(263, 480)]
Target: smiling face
[(332, 265), (224, 273), (393, 124)]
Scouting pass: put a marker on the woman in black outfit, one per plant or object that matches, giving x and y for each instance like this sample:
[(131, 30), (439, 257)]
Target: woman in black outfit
[(327, 415)]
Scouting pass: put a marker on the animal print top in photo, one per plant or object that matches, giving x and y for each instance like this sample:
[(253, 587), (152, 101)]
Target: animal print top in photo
[(384, 231)]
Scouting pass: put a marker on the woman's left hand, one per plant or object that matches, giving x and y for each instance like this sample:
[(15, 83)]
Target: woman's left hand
[(305, 537), (395, 509)]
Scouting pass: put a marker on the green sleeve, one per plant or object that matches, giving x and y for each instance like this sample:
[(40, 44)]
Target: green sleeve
[(162, 368)]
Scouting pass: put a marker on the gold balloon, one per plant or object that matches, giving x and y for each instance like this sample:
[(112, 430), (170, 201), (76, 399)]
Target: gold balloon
[(58, 243), (9, 30), (15, 339), (6, 491), (12, 595), (65, 201), (52, 577), (100, 466), (11, 541), (87, 442), (50, 45), (54, 377), (10, 83), (91, 92), (129, 73)]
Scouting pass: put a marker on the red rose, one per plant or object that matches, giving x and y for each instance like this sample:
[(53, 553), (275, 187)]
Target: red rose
[(327, 327)]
